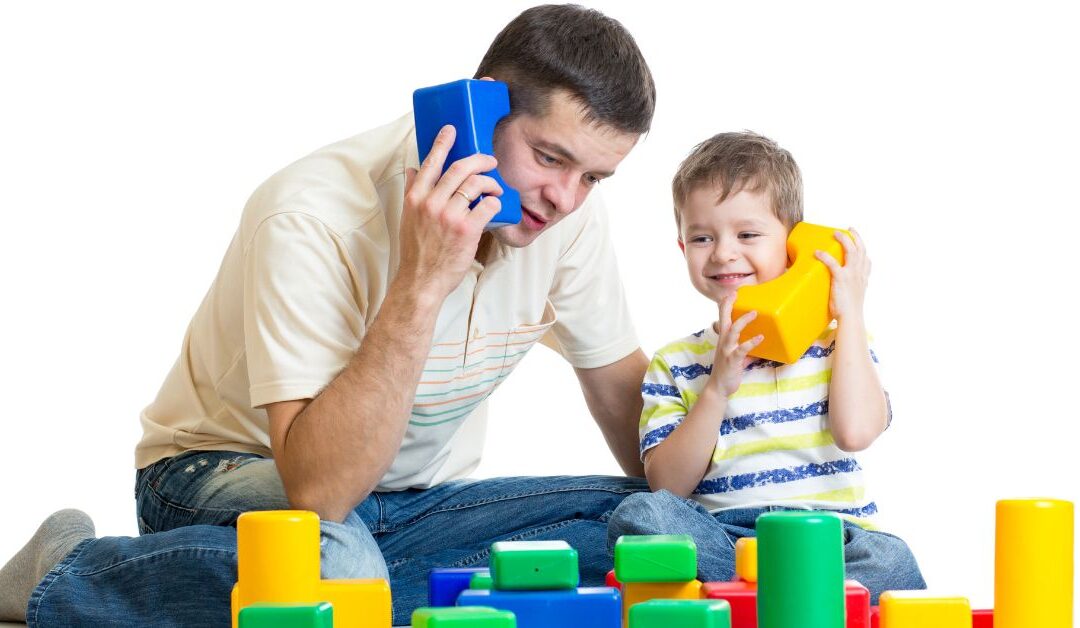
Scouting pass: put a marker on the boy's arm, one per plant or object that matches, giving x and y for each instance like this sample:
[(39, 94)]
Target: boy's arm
[(679, 462), (858, 409)]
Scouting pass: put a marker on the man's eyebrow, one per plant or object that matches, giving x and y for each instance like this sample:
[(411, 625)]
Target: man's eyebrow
[(564, 153)]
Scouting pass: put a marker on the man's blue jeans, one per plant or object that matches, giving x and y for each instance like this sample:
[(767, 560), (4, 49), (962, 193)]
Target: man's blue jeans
[(879, 561), (181, 570)]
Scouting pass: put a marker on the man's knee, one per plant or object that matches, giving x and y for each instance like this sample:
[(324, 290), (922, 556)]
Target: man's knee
[(646, 513), (349, 551)]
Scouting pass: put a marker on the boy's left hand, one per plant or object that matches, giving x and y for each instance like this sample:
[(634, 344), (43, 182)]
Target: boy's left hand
[(848, 281)]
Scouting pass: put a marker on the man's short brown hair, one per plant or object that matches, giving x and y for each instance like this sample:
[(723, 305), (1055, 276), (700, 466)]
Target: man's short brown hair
[(732, 162)]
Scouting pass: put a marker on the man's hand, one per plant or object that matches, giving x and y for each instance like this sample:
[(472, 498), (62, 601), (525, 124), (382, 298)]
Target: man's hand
[(848, 291), (439, 233), (730, 358)]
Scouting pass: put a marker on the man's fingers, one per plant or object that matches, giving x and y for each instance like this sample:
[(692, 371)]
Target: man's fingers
[(473, 187), (462, 170), (484, 211), (436, 157)]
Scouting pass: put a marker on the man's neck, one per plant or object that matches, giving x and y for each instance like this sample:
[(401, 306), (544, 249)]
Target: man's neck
[(483, 249)]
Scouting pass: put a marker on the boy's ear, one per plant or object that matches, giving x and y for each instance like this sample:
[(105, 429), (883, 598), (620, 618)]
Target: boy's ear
[(682, 247)]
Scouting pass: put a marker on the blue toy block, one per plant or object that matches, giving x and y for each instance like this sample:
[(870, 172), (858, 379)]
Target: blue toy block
[(474, 108), (444, 584), (585, 607)]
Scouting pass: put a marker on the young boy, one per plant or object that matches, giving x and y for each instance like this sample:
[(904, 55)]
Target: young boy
[(739, 435)]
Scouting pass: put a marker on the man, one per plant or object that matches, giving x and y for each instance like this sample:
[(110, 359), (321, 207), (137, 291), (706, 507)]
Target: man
[(361, 316)]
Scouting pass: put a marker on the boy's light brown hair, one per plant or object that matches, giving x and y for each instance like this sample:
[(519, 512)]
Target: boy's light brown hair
[(732, 162)]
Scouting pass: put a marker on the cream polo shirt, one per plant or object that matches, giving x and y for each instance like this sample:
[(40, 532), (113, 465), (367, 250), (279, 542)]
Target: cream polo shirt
[(304, 277)]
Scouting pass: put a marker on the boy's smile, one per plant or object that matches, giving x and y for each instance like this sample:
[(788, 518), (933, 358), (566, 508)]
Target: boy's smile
[(737, 242)]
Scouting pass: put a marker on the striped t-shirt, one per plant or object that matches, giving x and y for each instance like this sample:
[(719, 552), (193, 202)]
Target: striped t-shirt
[(774, 446)]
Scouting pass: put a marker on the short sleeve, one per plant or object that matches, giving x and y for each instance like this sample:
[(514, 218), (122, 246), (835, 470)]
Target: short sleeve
[(302, 322), (593, 326), (663, 407)]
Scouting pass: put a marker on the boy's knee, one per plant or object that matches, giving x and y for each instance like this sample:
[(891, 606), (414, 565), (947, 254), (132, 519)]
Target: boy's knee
[(349, 551)]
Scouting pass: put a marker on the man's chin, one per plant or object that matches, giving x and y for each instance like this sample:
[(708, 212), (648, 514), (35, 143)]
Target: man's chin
[(516, 236)]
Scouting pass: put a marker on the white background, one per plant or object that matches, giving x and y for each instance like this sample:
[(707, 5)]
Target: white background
[(131, 136)]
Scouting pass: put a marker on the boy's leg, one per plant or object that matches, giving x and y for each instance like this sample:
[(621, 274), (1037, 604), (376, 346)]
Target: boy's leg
[(216, 487), (879, 561), (714, 535), (178, 578), (454, 525)]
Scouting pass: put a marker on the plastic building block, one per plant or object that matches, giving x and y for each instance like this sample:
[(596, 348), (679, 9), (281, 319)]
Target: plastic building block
[(611, 581), (1033, 564), (793, 309), (319, 615), (800, 570), (586, 607), (919, 609), (746, 559), (656, 558), (982, 618), (474, 108), (637, 592), (875, 617), (462, 617), (681, 614), (533, 565), (444, 584), (278, 563), (480, 581), (857, 599), (740, 595)]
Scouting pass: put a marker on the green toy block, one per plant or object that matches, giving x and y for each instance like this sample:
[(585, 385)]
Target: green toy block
[(533, 565), (462, 617), (319, 615), (480, 581), (655, 558), (800, 570), (681, 613)]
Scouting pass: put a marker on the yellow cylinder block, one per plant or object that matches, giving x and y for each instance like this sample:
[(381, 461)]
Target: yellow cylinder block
[(746, 559), (793, 309), (278, 556), (1033, 564)]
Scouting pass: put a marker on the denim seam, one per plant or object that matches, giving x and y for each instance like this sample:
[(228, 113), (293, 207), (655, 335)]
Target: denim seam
[(52, 576), (473, 558), (194, 509), (140, 557), (502, 498)]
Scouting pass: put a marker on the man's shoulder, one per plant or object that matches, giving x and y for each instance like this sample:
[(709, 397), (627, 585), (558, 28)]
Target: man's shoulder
[(344, 184)]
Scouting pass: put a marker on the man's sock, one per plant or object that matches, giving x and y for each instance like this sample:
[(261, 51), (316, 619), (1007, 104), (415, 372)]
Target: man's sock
[(54, 539)]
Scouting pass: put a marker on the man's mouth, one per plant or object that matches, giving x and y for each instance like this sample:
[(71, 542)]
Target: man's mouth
[(532, 220)]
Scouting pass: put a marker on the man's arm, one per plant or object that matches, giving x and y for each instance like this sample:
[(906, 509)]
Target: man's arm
[(613, 394), (332, 451)]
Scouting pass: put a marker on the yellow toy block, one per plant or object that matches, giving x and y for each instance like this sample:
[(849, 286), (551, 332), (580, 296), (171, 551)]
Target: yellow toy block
[(920, 609), (746, 559), (793, 309), (637, 592), (278, 562), (1033, 564)]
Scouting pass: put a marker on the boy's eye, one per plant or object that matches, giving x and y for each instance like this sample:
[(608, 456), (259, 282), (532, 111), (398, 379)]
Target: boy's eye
[(703, 239), (746, 235)]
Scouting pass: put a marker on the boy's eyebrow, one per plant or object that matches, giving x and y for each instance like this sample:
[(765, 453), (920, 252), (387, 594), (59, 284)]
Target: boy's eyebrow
[(564, 153)]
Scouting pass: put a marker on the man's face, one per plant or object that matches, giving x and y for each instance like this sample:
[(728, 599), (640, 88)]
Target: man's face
[(554, 162)]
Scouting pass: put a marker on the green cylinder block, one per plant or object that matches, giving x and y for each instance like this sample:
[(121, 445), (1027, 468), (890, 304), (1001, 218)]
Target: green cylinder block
[(681, 614), (655, 558), (800, 570), (462, 617), (533, 565)]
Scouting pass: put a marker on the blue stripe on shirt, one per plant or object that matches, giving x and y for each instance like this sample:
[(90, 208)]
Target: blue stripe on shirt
[(783, 415), (743, 481), (660, 390), (657, 435)]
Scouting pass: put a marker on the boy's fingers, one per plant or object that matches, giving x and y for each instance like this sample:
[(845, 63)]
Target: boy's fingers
[(744, 320), (829, 261), (727, 304), (749, 345)]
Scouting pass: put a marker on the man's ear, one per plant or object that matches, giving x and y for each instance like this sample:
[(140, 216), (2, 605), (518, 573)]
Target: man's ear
[(682, 247), (486, 78)]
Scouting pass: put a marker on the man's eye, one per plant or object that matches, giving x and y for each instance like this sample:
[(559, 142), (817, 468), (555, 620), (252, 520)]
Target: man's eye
[(592, 180), (546, 159)]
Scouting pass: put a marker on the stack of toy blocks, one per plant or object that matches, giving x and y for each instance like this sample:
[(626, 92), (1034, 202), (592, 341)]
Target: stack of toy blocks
[(656, 567), (279, 583), (681, 614), (445, 584), (538, 582)]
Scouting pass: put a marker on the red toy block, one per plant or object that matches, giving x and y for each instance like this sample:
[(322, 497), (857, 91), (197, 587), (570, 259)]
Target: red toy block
[(610, 581), (875, 617), (858, 604), (982, 619), (742, 596)]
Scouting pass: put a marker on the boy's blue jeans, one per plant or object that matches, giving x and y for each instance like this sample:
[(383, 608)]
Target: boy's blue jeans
[(879, 561), (181, 570)]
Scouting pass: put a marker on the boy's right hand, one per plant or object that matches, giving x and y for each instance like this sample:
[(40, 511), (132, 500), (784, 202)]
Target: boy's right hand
[(439, 234), (730, 358)]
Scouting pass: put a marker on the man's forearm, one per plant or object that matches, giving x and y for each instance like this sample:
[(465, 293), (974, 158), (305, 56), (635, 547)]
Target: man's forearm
[(338, 448)]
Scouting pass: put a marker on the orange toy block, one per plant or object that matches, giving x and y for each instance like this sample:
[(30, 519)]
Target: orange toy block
[(920, 609), (793, 309), (278, 562), (637, 592)]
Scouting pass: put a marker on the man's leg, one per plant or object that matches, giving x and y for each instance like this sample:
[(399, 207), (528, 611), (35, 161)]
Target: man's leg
[(178, 578), (454, 525), (215, 488)]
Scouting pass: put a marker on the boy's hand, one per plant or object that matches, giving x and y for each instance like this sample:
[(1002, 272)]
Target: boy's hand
[(730, 358), (849, 281)]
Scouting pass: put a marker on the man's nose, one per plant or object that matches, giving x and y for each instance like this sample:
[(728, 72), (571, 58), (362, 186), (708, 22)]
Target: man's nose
[(562, 193)]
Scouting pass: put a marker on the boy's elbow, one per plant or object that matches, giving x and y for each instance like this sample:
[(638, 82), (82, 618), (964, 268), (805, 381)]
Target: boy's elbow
[(853, 441)]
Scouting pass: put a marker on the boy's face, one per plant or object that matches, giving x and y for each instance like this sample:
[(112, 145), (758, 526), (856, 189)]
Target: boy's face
[(738, 242), (554, 161)]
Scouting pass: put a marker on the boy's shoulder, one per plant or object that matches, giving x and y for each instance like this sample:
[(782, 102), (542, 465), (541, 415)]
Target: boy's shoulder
[(701, 344)]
